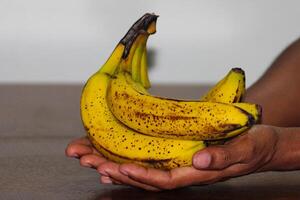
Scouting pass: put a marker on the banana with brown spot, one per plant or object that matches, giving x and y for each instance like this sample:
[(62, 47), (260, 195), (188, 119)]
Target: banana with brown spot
[(121, 144), (230, 89), (171, 118)]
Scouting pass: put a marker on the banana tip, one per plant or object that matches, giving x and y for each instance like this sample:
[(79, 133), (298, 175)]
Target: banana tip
[(238, 70)]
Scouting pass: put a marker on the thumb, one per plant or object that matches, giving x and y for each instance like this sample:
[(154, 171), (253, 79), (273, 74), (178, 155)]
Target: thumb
[(218, 157)]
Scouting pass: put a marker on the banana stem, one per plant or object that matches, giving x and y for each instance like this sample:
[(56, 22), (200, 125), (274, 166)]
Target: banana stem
[(134, 57), (113, 61), (147, 23), (135, 38)]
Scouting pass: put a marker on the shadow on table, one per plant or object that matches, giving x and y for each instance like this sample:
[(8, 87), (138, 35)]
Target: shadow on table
[(216, 192)]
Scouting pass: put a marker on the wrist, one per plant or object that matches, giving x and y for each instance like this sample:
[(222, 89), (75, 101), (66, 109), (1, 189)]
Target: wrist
[(286, 154)]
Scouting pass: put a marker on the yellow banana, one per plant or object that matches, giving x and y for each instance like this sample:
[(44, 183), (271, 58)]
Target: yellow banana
[(144, 71), (133, 60), (254, 109), (137, 58), (171, 118), (228, 90), (182, 157), (115, 140), (231, 90)]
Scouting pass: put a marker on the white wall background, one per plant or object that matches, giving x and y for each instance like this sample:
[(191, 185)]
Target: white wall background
[(197, 41)]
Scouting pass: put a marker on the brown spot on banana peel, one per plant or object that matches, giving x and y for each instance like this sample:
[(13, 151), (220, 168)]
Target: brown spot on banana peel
[(141, 25), (86, 128), (172, 118)]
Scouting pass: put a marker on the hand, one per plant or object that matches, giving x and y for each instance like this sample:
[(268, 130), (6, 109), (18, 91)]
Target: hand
[(82, 149), (245, 154), (248, 153)]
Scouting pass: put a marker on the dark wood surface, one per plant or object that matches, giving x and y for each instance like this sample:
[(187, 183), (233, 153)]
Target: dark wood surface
[(37, 122)]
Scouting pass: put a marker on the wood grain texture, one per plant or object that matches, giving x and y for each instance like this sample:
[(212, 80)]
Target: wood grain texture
[(38, 121)]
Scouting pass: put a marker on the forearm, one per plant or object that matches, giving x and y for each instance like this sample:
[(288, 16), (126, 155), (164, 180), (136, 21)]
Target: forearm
[(278, 90), (287, 150)]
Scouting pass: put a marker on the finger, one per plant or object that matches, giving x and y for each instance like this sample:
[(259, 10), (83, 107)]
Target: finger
[(111, 169), (79, 147), (86, 142), (148, 176), (109, 180), (92, 160), (105, 180), (222, 156), (166, 180), (78, 150)]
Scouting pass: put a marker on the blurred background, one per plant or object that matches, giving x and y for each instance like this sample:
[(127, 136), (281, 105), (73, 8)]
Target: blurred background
[(197, 41)]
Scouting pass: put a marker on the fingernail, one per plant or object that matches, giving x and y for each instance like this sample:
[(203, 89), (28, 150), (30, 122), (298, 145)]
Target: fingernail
[(202, 160), (75, 155), (87, 165), (106, 180)]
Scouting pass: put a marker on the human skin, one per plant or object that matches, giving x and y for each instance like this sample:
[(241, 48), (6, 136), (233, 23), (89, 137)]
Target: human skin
[(272, 146)]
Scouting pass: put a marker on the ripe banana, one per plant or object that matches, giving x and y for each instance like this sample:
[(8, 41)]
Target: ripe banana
[(231, 90), (254, 109), (228, 90), (144, 71), (171, 118), (113, 139)]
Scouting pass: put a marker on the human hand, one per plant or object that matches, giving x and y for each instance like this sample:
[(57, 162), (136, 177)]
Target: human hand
[(82, 149), (248, 153)]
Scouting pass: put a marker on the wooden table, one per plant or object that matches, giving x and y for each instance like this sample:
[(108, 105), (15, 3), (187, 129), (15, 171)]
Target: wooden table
[(37, 122)]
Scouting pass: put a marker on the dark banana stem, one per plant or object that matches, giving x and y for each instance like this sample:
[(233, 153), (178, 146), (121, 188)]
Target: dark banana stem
[(144, 25)]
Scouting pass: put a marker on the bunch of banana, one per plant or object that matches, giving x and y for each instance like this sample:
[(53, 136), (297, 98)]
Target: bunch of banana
[(110, 136), (126, 124)]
